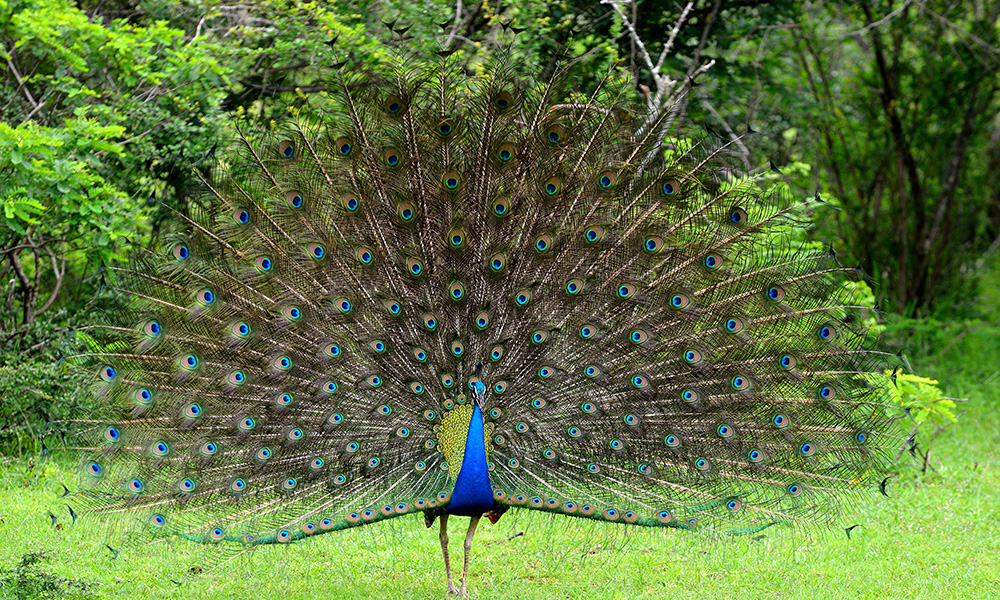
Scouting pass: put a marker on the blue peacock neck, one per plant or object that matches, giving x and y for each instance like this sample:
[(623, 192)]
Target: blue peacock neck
[(473, 494)]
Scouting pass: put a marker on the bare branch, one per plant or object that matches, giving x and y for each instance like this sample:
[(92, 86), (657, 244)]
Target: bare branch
[(665, 85), (59, 268), (673, 35), (21, 82)]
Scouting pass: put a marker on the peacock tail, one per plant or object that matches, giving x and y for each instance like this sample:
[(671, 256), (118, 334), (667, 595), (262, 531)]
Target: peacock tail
[(447, 279)]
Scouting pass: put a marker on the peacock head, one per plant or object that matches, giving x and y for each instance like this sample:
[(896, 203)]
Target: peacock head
[(478, 391)]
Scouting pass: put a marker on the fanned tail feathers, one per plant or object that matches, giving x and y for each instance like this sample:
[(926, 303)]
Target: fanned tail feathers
[(652, 349)]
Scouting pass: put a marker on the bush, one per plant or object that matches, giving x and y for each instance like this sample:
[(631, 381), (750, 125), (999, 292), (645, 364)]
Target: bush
[(39, 391)]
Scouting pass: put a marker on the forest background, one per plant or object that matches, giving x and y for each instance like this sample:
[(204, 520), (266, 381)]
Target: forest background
[(889, 111)]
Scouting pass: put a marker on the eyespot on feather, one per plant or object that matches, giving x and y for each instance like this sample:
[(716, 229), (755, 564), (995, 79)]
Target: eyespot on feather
[(241, 216), (152, 329), (502, 101), (653, 244), (497, 262), (391, 157), (543, 243), (774, 293), (552, 186), (593, 234), (364, 255), (316, 251), (456, 291), (456, 237), (344, 146), (574, 287), (351, 201), (732, 325), (451, 180), (236, 378), (737, 216), (392, 307), (501, 206), (240, 329), (405, 211), (445, 128), (205, 297), (626, 291), (505, 152), (555, 134), (414, 267), (394, 105), (263, 264), (670, 187)]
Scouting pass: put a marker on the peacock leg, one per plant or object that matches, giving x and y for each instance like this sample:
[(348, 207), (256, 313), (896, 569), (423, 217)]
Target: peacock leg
[(444, 550), (468, 549)]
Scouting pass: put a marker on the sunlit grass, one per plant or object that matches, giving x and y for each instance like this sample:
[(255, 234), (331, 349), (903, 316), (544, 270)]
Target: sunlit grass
[(936, 536)]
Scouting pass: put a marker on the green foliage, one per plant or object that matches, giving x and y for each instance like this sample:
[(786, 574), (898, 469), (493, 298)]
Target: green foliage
[(897, 112), (38, 397), (90, 108), (55, 192), (922, 399)]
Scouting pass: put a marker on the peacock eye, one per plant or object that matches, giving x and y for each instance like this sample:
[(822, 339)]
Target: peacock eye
[(554, 134), (405, 211), (343, 146), (502, 101), (501, 206), (316, 251), (391, 157), (152, 329), (351, 202), (737, 216), (451, 180), (670, 187), (393, 104), (552, 186), (593, 234)]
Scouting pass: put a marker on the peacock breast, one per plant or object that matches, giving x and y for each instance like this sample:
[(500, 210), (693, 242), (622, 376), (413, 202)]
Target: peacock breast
[(463, 440)]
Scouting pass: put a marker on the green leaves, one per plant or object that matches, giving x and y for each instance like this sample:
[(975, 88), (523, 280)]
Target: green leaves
[(52, 189)]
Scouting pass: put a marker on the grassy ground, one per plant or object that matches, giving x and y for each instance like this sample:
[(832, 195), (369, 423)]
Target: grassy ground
[(936, 536)]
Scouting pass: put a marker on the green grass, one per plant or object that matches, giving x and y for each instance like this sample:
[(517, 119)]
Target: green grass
[(936, 536)]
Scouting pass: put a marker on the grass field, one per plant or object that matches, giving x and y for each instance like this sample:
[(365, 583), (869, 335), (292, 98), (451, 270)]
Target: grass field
[(936, 536)]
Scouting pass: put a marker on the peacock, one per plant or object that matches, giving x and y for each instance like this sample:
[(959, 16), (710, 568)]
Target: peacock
[(459, 294)]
